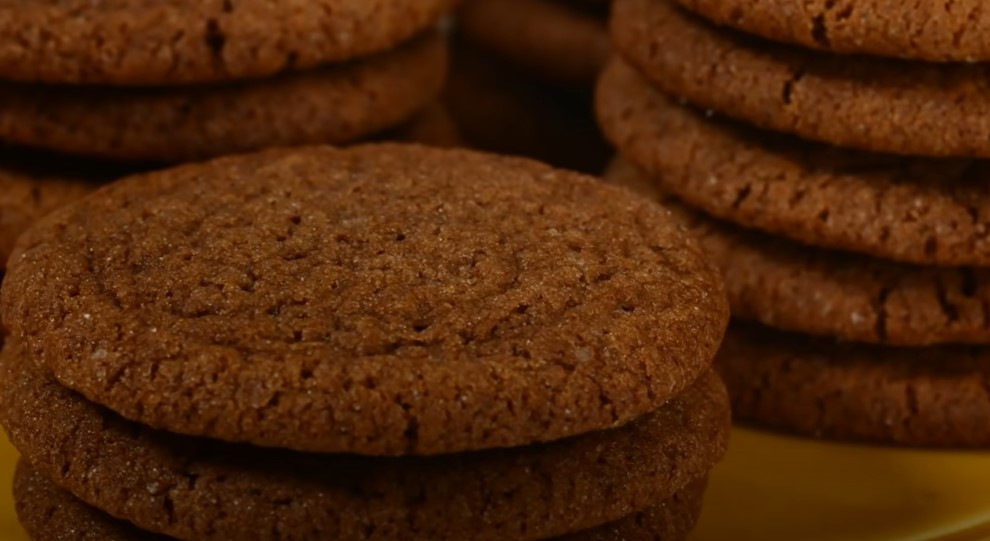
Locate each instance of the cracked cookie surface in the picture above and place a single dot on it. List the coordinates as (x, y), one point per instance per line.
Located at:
(332, 105)
(820, 292)
(193, 488)
(931, 30)
(916, 210)
(875, 104)
(384, 299)
(170, 42)
(932, 397)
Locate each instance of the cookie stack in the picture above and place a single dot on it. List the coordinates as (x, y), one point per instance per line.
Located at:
(383, 342)
(182, 80)
(843, 197)
(521, 77)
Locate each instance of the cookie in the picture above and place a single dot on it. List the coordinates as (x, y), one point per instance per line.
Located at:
(880, 105)
(932, 397)
(936, 31)
(553, 41)
(925, 211)
(200, 489)
(499, 108)
(193, 41)
(49, 513)
(383, 299)
(332, 105)
(24, 198)
(820, 292)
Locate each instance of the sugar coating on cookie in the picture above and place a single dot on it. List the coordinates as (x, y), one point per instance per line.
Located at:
(384, 299)
(332, 105)
(875, 104)
(173, 42)
(932, 397)
(914, 210)
(933, 30)
(790, 286)
(243, 492)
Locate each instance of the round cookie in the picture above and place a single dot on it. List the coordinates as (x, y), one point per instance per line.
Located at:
(933, 397)
(172, 42)
(382, 299)
(881, 105)
(936, 31)
(552, 40)
(202, 489)
(333, 105)
(925, 211)
(500, 109)
(49, 513)
(813, 291)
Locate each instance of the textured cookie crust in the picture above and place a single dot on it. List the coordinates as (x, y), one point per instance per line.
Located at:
(384, 299)
(501, 109)
(169, 42)
(924, 211)
(25, 197)
(932, 30)
(198, 489)
(333, 105)
(935, 397)
(49, 513)
(551, 40)
(788, 286)
(882, 105)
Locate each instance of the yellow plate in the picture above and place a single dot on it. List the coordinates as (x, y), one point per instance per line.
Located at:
(773, 488)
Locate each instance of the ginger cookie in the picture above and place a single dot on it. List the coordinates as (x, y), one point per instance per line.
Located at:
(553, 41)
(880, 105)
(933, 397)
(333, 105)
(49, 513)
(936, 31)
(382, 299)
(171, 42)
(194, 488)
(820, 292)
(916, 210)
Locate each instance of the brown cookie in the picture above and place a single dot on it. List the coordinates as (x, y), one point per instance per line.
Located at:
(881, 105)
(383, 299)
(24, 198)
(333, 105)
(200, 489)
(936, 397)
(172, 42)
(923, 211)
(500, 109)
(49, 513)
(792, 287)
(937, 31)
(553, 41)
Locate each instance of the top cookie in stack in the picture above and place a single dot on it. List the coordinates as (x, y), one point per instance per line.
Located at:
(180, 80)
(868, 172)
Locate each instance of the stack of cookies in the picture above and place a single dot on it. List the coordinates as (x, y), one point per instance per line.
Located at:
(182, 80)
(384, 342)
(843, 197)
(521, 78)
